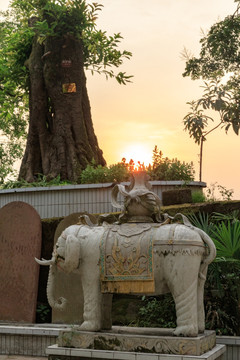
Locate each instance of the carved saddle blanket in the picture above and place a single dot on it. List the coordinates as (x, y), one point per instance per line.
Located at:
(126, 259)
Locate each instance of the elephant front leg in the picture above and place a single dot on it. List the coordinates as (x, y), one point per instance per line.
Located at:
(92, 314)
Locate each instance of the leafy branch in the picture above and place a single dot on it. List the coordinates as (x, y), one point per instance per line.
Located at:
(217, 97)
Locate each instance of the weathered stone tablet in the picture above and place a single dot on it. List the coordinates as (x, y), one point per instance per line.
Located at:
(20, 243)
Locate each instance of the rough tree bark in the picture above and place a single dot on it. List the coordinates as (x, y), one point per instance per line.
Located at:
(61, 139)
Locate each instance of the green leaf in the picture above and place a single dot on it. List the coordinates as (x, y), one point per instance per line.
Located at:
(235, 126)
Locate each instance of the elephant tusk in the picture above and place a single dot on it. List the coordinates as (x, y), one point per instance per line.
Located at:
(45, 262)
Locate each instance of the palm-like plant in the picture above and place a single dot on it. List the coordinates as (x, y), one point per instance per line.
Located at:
(217, 217)
(202, 221)
(227, 240)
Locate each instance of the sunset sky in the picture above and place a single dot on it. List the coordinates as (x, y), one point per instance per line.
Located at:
(130, 120)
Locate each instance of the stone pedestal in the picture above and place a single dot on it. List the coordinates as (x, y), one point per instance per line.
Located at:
(141, 340)
(134, 344)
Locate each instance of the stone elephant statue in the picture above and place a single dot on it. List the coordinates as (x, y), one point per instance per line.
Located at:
(181, 255)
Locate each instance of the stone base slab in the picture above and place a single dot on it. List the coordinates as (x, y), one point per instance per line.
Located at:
(139, 340)
(55, 352)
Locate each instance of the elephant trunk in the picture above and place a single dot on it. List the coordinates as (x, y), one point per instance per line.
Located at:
(60, 303)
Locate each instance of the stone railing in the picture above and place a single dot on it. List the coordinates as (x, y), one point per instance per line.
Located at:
(58, 201)
(233, 346)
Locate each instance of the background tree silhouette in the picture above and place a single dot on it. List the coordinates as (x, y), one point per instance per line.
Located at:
(219, 64)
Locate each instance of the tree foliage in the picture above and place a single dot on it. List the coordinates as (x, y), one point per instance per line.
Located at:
(166, 169)
(48, 19)
(219, 50)
(162, 168)
(218, 65)
(217, 98)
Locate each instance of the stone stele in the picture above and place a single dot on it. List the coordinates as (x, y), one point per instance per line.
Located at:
(144, 340)
(20, 243)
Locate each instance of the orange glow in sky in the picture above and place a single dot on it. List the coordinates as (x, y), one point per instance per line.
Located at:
(138, 153)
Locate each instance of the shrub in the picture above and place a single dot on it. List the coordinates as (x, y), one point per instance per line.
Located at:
(40, 181)
(92, 175)
(161, 169)
(210, 192)
(157, 311)
(222, 295)
(166, 169)
(198, 197)
(102, 174)
(43, 313)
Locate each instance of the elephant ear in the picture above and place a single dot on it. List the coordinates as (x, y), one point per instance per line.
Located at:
(72, 253)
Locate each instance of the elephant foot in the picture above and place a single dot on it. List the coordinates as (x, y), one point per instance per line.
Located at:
(186, 330)
(89, 326)
(201, 329)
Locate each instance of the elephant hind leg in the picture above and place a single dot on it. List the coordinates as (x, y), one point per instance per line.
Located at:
(186, 310)
(200, 300)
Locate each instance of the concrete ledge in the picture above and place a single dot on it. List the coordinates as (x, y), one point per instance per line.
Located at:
(61, 353)
(228, 340)
(30, 330)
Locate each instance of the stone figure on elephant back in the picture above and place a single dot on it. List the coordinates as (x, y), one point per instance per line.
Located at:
(143, 252)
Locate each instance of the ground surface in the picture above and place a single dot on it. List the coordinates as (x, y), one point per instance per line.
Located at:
(20, 357)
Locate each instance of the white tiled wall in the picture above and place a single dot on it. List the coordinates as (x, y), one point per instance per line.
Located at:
(61, 201)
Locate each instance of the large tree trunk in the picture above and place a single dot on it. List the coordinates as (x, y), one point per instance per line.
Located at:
(61, 139)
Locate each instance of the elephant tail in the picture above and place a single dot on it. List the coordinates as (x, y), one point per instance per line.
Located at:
(60, 303)
(212, 252)
(211, 247)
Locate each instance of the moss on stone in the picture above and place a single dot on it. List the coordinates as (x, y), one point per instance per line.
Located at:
(224, 207)
(141, 349)
(102, 343)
